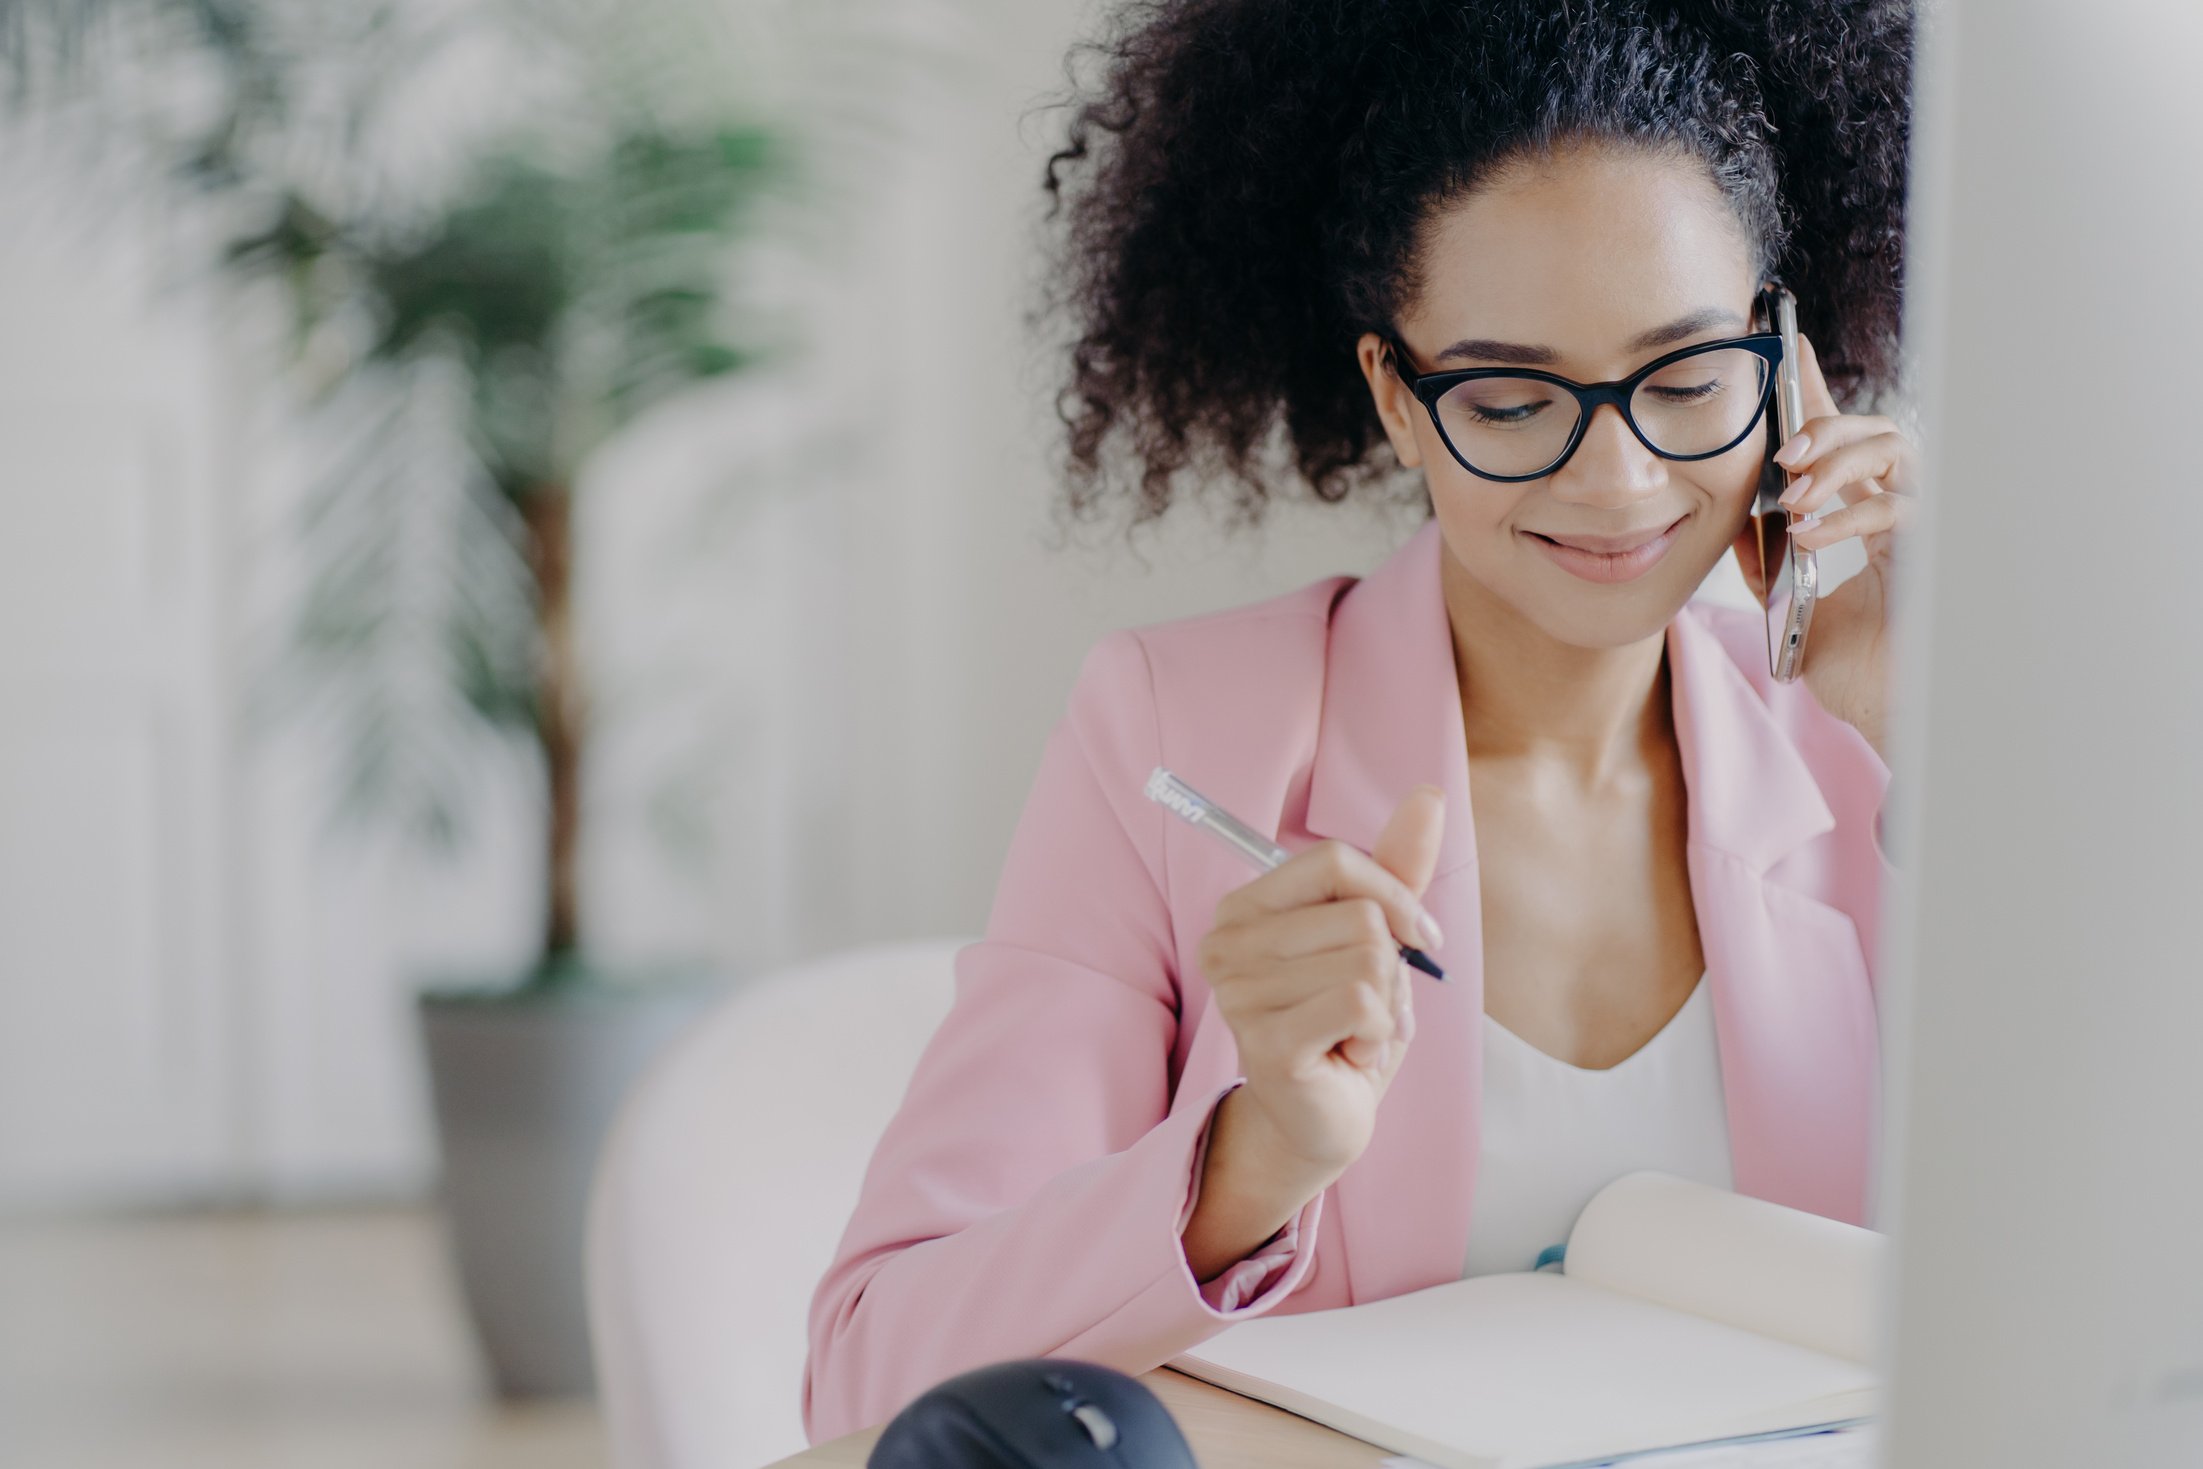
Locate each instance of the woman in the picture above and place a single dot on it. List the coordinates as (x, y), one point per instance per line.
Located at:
(1168, 1097)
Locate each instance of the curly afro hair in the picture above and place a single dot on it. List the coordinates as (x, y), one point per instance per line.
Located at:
(1240, 195)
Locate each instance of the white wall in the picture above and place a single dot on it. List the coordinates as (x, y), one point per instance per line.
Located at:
(843, 631)
(116, 1019)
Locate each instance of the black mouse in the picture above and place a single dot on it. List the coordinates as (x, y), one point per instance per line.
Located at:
(1034, 1413)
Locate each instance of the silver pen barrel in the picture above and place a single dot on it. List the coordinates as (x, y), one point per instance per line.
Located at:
(1189, 804)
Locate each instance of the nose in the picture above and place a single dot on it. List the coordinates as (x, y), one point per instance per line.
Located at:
(1611, 467)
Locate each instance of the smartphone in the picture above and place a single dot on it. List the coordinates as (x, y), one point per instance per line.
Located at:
(1791, 576)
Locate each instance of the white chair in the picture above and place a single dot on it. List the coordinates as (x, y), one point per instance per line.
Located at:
(723, 1188)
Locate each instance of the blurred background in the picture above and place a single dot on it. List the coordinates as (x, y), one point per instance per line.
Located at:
(516, 519)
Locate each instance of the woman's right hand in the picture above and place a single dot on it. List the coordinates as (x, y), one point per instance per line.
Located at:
(1305, 965)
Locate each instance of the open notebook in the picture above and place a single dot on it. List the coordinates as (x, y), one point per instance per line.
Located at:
(1685, 1314)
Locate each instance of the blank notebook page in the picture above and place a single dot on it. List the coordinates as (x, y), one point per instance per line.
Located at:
(1526, 1369)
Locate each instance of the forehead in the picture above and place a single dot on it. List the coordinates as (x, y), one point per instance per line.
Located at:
(1580, 254)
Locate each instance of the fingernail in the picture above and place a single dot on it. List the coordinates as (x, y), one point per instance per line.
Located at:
(1384, 1057)
(1797, 489)
(1428, 927)
(1793, 451)
(1407, 1023)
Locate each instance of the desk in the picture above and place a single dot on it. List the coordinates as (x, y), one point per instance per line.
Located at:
(1227, 1431)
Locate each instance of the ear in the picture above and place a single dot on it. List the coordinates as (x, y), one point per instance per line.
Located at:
(1396, 406)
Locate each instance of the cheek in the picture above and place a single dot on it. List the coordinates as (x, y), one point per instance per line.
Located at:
(1724, 490)
(1477, 514)
(1733, 478)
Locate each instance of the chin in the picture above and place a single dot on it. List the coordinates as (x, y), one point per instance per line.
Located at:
(1599, 618)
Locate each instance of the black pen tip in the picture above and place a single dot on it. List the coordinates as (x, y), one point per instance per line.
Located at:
(1422, 961)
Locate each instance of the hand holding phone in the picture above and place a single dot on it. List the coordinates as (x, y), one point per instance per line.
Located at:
(1863, 471)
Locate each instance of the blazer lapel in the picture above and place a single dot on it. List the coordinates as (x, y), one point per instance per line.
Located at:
(1794, 1011)
(1391, 720)
(1791, 1006)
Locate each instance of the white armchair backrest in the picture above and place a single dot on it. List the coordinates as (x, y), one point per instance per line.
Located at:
(723, 1189)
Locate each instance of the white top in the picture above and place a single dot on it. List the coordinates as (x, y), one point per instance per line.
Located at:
(1555, 1134)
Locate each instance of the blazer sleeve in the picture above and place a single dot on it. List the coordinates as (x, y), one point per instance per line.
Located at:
(1028, 1195)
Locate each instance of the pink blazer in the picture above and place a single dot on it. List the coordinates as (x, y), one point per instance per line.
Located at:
(1027, 1198)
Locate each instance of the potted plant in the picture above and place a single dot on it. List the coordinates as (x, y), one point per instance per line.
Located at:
(571, 279)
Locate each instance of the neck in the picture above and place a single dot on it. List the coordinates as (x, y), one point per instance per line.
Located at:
(1594, 713)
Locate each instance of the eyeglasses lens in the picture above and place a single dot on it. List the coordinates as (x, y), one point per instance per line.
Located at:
(1519, 425)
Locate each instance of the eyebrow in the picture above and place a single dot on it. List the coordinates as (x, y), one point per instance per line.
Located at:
(1660, 336)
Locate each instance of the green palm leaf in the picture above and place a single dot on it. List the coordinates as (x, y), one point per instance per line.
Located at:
(463, 349)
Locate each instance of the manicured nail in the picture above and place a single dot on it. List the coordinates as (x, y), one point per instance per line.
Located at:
(1793, 451)
(1428, 927)
(1797, 490)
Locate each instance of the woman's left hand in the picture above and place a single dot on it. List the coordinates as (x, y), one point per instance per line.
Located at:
(1874, 469)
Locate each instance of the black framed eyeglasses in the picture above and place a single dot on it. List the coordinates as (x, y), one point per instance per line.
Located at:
(1516, 423)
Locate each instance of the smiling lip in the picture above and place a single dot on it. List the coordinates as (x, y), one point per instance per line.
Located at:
(1610, 545)
(1598, 566)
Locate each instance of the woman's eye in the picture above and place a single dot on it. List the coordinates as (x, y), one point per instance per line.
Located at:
(1500, 403)
(1698, 394)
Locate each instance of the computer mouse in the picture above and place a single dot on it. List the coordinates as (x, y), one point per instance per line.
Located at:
(1034, 1413)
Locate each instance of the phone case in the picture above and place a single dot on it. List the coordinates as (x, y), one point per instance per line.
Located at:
(1790, 575)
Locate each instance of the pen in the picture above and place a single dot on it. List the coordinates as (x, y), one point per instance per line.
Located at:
(1169, 791)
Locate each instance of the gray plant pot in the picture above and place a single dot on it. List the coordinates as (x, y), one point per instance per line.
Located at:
(525, 1085)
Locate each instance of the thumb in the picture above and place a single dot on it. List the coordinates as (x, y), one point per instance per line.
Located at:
(1819, 401)
(1408, 846)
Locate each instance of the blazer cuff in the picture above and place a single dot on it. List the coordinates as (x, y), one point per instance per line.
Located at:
(1258, 1280)
(1174, 1312)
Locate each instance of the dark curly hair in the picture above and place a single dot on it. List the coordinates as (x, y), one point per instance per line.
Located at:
(1240, 196)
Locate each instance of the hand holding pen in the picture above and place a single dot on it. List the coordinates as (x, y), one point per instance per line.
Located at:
(1198, 810)
(1310, 966)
